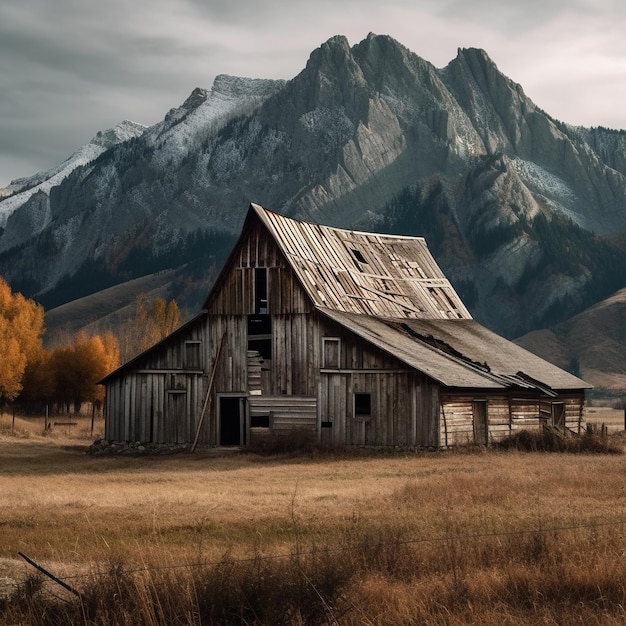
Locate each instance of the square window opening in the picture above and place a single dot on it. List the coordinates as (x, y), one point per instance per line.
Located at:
(362, 404)
(260, 421)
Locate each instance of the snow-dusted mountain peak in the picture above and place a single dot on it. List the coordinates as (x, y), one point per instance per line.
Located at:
(205, 112)
(22, 189)
(122, 132)
(236, 86)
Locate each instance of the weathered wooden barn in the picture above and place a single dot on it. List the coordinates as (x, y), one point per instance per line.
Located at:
(356, 338)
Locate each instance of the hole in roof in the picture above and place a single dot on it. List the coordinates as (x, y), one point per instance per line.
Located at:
(358, 256)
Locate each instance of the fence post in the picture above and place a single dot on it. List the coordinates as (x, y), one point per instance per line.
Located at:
(49, 575)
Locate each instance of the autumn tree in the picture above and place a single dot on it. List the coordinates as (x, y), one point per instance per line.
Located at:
(151, 323)
(39, 380)
(21, 329)
(79, 366)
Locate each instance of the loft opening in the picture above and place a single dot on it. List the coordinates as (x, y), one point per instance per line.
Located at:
(260, 290)
(260, 335)
(331, 351)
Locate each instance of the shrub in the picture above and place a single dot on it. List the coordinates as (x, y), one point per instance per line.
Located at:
(551, 440)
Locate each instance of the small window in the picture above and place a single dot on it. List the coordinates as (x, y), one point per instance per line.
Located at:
(192, 355)
(332, 351)
(260, 421)
(362, 405)
(260, 290)
(177, 382)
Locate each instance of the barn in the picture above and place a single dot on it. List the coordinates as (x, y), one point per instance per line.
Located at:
(352, 338)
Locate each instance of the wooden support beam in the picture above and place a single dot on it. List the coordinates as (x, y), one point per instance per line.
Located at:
(208, 392)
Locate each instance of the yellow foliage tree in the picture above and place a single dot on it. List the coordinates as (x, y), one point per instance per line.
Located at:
(38, 379)
(79, 366)
(150, 324)
(21, 328)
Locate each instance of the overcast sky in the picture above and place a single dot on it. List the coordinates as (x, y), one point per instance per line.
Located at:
(69, 68)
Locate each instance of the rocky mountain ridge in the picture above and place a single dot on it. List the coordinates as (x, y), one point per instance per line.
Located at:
(521, 210)
(19, 191)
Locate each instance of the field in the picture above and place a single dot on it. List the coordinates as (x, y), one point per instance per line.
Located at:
(471, 537)
(613, 419)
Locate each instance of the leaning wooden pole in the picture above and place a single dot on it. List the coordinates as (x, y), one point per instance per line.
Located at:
(58, 581)
(208, 393)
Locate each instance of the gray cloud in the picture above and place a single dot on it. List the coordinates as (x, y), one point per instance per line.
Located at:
(70, 68)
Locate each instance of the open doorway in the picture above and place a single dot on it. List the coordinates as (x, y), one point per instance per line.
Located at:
(232, 420)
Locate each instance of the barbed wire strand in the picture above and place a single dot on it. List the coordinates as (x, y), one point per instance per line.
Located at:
(355, 546)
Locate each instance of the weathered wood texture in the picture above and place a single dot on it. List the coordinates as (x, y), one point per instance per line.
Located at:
(284, 414)
(505, 414)
(235, 291)
(160, 399)
(366, 273)
(357, 338)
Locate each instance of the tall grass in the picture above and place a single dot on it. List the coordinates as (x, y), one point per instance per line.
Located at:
(378, 577)
(487, 537)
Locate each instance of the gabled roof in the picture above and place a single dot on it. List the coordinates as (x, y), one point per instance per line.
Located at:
(389, 290)
(459, 353)
(368, 273)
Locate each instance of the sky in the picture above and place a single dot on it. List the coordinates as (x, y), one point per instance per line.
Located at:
(69, 68)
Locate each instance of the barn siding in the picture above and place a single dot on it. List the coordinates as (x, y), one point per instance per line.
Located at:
(506, 413)
(404, 403)
(235, 295)
(160, 398)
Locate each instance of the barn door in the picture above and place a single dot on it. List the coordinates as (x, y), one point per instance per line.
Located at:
(176, 423)
(232, 420)
(334, 408)
(479, 412)
(558, 415)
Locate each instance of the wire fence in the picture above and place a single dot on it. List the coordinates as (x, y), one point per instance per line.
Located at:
(356, 546)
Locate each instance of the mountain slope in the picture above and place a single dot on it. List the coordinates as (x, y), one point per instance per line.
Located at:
(522, 209)
(22, 189)
(592, 344)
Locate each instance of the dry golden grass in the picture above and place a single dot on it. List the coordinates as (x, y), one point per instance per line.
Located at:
(444, 538)
(612, 418)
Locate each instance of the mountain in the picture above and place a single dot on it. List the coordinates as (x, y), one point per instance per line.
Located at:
(526, 214)
(592, 344)
(23, 189)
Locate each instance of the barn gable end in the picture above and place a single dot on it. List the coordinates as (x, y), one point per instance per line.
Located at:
(354, 338)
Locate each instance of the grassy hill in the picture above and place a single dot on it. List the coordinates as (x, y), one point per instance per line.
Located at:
(107, 309)
(592, 344)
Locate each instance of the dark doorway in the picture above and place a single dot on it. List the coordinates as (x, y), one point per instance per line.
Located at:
(232, 421)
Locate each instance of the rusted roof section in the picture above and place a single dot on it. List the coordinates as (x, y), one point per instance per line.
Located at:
(459, 353)
(366, 273)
